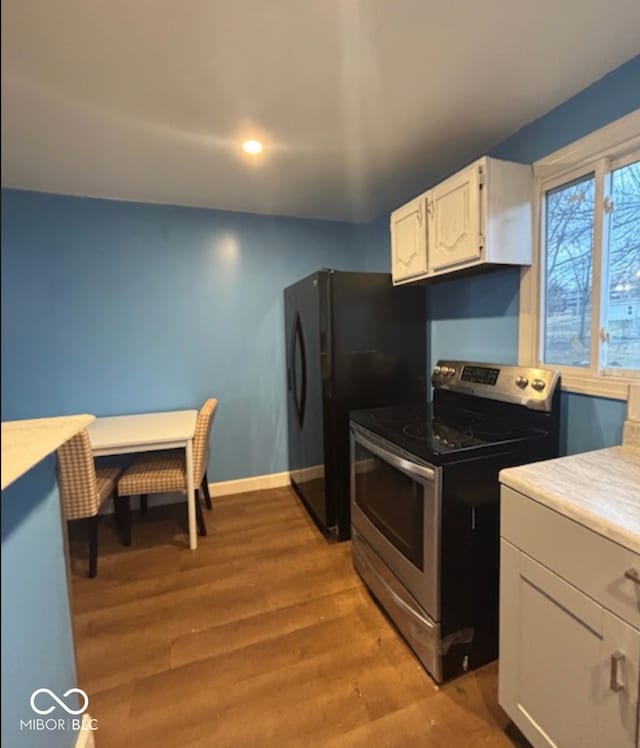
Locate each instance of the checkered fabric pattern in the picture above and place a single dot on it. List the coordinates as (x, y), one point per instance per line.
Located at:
(201, 439)
(164, 472)
(83, 487)
(155, 472)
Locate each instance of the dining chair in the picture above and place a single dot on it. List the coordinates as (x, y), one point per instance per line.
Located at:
(165, 472)
(85, 487)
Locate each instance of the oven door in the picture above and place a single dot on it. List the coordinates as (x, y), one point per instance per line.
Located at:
(395, 506)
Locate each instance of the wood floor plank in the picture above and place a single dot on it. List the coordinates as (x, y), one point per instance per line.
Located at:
(236, 634)
(274, 575)
(264, 636)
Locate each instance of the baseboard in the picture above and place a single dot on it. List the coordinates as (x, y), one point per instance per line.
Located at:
(229, 487)
(262, 482)
(255, 483)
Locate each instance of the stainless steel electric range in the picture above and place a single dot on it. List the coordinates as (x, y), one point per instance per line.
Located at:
(424, 502)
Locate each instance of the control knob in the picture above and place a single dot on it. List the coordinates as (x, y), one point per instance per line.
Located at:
(522, 382)
(437, 370)
(538, 384)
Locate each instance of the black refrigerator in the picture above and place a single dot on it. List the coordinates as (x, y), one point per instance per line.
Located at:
(353, 341)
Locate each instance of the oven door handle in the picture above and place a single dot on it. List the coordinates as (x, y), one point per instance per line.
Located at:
(411, 469)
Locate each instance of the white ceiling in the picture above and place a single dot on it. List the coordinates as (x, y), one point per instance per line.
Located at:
(360, 103)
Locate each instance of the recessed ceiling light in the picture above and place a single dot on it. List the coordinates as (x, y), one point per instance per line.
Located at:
(252, 146)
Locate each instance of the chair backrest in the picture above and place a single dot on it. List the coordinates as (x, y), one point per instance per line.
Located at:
(77, 477)
(201, 439)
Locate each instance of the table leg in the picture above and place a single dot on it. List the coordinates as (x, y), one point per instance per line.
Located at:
(191, 496)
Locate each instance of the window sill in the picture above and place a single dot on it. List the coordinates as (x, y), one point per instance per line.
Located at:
(615, 388)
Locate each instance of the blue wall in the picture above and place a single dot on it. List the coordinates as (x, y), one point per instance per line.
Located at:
(112, 307)
(477, 318)
(374, 243)
(590, 422)
(37, 645)
(606, 100)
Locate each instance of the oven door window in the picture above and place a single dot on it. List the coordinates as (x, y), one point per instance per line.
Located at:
(393, 502)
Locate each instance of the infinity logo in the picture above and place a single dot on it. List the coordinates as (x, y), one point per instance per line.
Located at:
(58, 701)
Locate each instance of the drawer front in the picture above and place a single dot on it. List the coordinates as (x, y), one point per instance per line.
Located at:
(422, 633)
(589, 561)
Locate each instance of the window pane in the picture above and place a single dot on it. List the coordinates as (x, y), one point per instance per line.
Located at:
(568, 263)
(622, 303)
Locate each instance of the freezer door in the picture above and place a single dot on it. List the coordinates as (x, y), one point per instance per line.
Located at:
(379, 358)
(307, 312)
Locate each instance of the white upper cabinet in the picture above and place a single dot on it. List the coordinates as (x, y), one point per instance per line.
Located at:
(454, 221)
(481, 215)
(409, 240)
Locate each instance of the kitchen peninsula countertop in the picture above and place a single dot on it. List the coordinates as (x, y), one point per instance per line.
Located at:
(600, 490)
(26, 443)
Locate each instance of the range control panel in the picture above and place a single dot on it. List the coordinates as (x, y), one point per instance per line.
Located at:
(530, 387)
(480, 374)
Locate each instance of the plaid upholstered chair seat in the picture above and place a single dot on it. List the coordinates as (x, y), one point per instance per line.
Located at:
(165, 472)
(156, 472)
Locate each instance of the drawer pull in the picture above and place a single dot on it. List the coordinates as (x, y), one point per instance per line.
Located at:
(615, 682)
(633, 575)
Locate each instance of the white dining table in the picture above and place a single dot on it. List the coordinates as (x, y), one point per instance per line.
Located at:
(150, 432)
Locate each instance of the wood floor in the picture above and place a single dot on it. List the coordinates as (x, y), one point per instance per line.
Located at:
(264, 636)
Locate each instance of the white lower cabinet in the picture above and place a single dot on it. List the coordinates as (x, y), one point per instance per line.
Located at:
(569, 668)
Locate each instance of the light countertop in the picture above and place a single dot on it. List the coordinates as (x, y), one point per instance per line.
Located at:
(26, 443)
(600, 490)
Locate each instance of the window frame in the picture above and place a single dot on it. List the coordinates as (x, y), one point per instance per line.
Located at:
(604, 150)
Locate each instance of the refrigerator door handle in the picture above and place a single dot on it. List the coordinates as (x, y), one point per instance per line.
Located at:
(299, 398)
(303, 394)
(293, 370)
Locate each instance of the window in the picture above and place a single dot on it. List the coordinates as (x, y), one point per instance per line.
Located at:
(580, 301)
(568, 260)
(622, 285)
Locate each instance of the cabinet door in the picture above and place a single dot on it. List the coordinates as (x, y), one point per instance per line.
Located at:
(618, 697)
(557, 650)
(454, 221)
(409, 240)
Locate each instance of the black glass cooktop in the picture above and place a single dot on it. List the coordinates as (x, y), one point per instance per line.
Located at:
(426, 434)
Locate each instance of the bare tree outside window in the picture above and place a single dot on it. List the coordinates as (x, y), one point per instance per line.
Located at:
(623, 296)
(569, 263)
(569, 237)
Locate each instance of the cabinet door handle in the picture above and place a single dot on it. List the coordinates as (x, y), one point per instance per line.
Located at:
(615, 681)
(633, 575)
